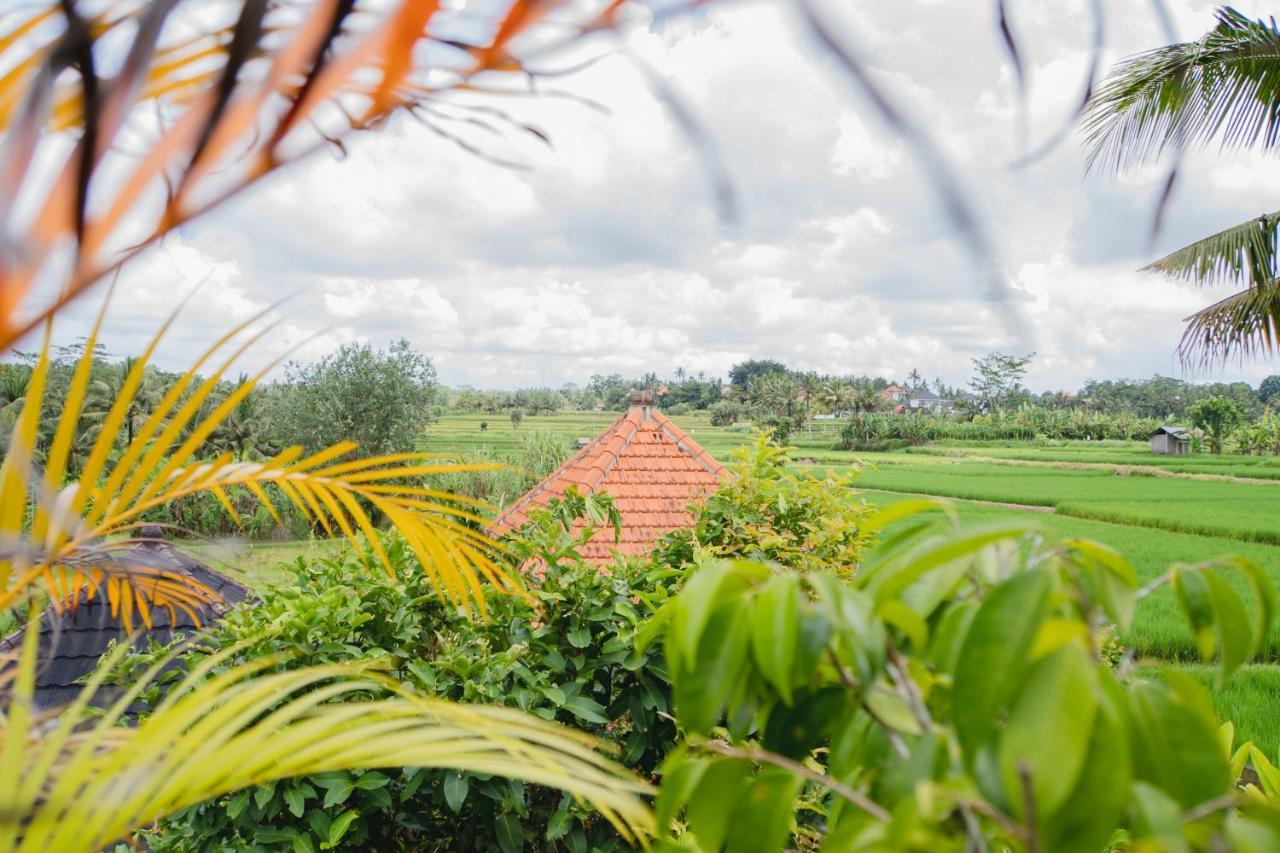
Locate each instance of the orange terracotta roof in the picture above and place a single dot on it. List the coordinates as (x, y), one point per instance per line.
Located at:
(650, 467)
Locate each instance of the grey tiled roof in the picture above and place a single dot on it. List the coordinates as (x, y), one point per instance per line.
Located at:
(71, 642)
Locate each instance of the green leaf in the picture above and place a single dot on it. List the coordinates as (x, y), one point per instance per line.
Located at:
(294, 800)
(586, 708)
(555, 694)
(1174, 733)
(456, 786)
(994, 656)
(713, 801)
(702, 692)
(892, 710)
(238, 804)
(338, 793)
(339, 828)
(1231, 626)
(1049, 728)
(1088, 818)
(774, 629)
(372, 780)
(559, 823)
(580, 637)
(795, 730)
(1193, 595)
(680, 777)
(510, 833)
(763, 812)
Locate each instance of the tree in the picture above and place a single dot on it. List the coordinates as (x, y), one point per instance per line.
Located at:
(1219, 90)
(1217, 416)
(743, 376)
(379, 399)
(997, 381)
(516, 417)
(1269, 388)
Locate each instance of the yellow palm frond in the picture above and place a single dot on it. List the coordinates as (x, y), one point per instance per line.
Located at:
(69, 786)
(65, 539)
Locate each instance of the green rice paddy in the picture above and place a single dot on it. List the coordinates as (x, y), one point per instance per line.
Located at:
(1154, 521)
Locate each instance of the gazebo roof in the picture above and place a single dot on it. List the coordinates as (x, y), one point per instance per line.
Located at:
(650, 467)
(71, 642)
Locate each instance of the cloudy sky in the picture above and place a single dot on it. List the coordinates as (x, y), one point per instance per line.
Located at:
(606, 252)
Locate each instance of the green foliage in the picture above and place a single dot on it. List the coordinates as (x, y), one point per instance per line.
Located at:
(379, 399)
(1269, 388)
(767, 511)
(725, 413)
(956, 693)
(884, 430)
(516, 417)
(566, 656)
(997, 379)
(1217, 416)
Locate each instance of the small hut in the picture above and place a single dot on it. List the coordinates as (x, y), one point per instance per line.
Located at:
(650, 467)
(1171, 441)
(73, 640)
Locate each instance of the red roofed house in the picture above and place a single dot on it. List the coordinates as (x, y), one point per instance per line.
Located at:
(648, 465)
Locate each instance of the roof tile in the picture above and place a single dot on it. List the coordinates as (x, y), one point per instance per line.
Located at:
(651, 468)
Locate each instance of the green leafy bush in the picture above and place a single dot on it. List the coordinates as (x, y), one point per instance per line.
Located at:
(960, 692)
(766, 511)
(565, 655)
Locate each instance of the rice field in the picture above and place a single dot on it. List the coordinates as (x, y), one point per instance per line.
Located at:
(1154, 521)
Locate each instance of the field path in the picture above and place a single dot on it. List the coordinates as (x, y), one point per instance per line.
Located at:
(1119, 468)
(1003, 504)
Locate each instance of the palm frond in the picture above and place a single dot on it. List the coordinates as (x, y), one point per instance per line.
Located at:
(1224, 87)
(1242, 326)
(59, 532)
(226, 96)
(1244, 254)
(68, 785)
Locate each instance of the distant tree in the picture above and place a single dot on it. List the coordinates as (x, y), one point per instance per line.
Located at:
(378, 398)
(725, 413)
(1218, 417)
(915, 381)
(516, 417)
(997, 380)
(1269, 388)
(743, 376)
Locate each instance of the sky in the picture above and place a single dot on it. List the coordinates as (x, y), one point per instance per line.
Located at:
(608, 250)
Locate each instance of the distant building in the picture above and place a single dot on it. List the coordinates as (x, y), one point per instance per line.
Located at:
(893, 394)
(1171, 441)
(650, 467)
(924, 400)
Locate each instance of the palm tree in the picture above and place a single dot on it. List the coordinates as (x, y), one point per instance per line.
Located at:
(1223, 88)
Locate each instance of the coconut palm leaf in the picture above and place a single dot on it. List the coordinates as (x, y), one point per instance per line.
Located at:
(62, 531)
(224, 95)
(1224, 87)
(70, 784)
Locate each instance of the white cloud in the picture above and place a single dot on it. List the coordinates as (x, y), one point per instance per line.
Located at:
(606, 253)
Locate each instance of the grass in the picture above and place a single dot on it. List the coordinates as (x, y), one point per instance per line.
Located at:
(1249, 700)
(1242, 511)
(260, 565)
